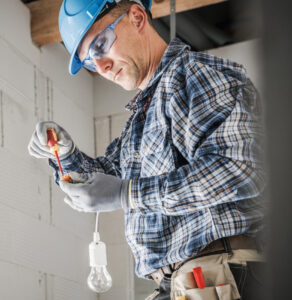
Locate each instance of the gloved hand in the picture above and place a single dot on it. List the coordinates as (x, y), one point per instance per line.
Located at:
(38, 143)
(95, 192)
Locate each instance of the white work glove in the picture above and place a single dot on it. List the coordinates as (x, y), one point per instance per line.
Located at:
(95, 192)
(38, 147)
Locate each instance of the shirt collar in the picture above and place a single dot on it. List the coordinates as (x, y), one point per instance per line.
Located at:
(174, 49)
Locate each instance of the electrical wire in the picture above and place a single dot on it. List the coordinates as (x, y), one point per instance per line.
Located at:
(96, 222)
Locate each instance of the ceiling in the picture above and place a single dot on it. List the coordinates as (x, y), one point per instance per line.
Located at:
(216, 25)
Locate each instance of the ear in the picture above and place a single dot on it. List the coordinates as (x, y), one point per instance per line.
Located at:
(138, 17)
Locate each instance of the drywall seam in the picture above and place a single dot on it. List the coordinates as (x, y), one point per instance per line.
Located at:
(16, 51)
(51, 199)
(36, 107)
(6, 261)
(13, 91)
(94, 137)
(49, 99)
(110, 128)
(45, 279)
(1, 118)
(52, 99)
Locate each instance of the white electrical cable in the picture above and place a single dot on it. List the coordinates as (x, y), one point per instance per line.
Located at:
(96, 222)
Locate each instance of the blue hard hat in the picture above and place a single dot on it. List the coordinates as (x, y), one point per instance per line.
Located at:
(75, 19)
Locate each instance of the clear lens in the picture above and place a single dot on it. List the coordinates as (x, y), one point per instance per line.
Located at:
(102, 43)
(89, 65)
(99, 47)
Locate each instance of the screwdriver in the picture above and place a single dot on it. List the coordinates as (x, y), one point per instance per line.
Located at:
(53, 144)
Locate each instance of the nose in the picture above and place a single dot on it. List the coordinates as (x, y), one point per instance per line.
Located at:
(103, 65)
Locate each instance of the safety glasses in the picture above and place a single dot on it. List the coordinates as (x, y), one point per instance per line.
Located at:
(101, 45)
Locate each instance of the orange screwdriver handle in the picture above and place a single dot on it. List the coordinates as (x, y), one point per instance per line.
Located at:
(52, 140)
(53, 144)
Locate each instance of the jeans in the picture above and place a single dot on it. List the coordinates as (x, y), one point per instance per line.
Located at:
(249, 280)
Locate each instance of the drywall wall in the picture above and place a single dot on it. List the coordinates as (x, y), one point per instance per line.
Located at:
(110, 99)
(43, 242)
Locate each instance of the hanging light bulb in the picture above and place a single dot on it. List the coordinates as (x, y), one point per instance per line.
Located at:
(99, 279)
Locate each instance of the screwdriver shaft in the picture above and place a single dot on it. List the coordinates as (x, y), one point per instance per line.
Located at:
(59, 163)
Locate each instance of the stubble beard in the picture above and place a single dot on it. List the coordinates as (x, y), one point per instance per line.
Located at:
(130, 80)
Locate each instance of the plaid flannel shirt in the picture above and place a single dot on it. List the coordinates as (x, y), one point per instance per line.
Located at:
(191, 149)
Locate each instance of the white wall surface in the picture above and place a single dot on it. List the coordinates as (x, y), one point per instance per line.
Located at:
(248, 54)
(110, 99)
(110, 117)
(43, 243)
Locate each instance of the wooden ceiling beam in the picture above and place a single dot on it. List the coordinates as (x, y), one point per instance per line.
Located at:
(44, 21)
(44, 16)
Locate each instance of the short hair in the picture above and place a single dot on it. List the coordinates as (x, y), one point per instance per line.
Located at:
(123, 6)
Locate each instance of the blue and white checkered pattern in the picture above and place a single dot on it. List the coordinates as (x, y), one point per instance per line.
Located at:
(191, 148)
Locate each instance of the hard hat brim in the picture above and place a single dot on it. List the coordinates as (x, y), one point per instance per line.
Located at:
(75, 64)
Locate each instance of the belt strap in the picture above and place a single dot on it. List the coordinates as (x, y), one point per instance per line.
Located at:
(223, 245)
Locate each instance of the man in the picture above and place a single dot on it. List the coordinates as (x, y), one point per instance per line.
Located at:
(185, 169)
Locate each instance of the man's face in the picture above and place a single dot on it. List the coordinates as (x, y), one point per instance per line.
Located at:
(123, 64)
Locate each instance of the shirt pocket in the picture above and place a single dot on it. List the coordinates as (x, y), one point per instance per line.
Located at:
(130, 163)
(156, 153)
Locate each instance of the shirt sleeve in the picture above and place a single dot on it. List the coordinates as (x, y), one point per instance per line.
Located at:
(215, 125)
(82, 163)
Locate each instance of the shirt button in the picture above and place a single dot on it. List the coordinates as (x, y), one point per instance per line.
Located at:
(122, 160)
(136, 154)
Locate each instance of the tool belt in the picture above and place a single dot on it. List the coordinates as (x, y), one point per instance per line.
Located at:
(224, 245)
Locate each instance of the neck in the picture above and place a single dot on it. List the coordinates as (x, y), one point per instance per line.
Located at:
(154, 52)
